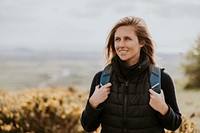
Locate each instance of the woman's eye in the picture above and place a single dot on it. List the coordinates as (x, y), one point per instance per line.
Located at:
(128, 38)
(117, 39)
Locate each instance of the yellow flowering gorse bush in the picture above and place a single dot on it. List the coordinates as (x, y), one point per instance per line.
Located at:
(53, 110)
(50, 110)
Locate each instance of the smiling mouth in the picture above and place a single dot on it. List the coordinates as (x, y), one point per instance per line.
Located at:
(123, 51)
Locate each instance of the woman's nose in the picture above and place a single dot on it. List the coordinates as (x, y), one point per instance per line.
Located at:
(122, 43)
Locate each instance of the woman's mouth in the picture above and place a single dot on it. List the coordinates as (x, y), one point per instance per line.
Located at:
(123, 51)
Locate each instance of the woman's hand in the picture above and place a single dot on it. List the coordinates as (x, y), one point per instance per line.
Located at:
(100, 95)
(157, 102)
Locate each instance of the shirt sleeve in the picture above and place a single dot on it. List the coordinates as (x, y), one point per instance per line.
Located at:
(90, 118)
(172, 119)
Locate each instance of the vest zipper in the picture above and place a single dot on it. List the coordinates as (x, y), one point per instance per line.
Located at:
(125, 107)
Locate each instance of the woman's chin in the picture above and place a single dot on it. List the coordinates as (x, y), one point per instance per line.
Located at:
(123, 58)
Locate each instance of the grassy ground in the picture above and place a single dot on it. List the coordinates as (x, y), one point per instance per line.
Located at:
(189, 105)
(188, 101)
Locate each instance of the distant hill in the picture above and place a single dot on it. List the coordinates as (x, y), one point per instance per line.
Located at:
(22, 68)
(25, 53)
(28, 54)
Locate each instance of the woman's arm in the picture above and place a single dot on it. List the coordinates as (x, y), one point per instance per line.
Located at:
(172, 119)
(90, 118)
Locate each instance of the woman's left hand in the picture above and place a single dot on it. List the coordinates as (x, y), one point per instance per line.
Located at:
(157, 102)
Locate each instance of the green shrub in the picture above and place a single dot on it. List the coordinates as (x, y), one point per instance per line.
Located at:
(192, 65)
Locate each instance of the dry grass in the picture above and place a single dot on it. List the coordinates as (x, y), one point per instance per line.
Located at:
(51, 110)
(189, 105)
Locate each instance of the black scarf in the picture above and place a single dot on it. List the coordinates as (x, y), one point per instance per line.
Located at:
(121, 68)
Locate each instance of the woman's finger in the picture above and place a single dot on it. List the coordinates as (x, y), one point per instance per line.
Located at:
(107, 85)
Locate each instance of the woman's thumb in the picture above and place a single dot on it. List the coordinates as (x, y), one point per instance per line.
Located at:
(97, 87)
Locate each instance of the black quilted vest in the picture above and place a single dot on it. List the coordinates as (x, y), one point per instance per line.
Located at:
(127, 108)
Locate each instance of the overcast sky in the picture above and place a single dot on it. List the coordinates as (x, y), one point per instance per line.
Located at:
(83, 25)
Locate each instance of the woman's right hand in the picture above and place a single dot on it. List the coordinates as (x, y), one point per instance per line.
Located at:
(100, 95)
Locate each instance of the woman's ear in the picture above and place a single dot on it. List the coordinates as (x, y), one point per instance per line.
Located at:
(142, 43)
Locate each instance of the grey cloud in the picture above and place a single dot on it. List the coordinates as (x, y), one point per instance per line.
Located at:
(125, 8)
(18, 11)
(85, 13)
(118, 6)
(154, 2)
(98, 7)
(88, 9)
(179, 10)
(34, 11)
(95, 8)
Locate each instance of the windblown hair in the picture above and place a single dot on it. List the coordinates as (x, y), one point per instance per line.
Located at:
(141, 32)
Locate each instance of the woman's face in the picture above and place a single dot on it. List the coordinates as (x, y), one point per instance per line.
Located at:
(127, 45)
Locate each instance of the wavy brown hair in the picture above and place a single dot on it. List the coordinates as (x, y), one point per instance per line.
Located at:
(141, 32)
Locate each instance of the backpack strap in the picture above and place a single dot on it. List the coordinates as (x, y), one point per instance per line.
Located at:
(155, 78)
(105, 76)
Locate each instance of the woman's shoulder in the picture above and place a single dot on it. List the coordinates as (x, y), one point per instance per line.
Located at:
(98, 74)
(165, 74)
(166, 80)
(96, 78)
(107, 68)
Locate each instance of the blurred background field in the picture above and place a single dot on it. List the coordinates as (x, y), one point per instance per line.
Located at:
(44, 69)
(50, 76)
(22, 68)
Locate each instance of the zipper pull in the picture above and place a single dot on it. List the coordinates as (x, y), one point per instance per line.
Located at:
(126, 83)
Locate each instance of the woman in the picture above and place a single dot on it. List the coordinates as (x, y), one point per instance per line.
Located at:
(127, 104)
